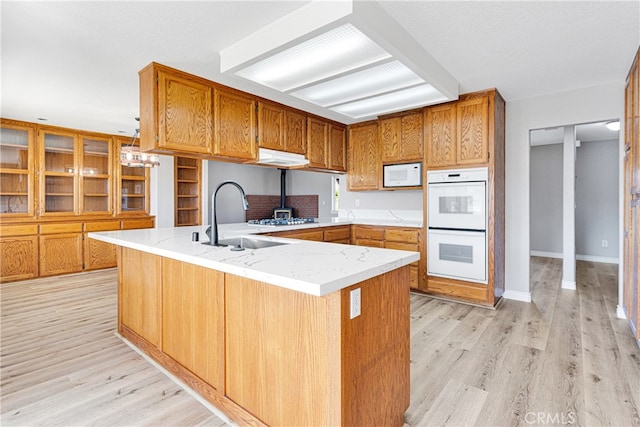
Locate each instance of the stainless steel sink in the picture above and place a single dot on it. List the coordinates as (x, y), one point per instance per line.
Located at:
(240, 243)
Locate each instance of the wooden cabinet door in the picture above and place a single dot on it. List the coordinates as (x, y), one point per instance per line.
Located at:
(270, 126)
(472, 131)
(98, 254)
(235, 125)
(17, 171)
(337, 148)
(140, 294)
(193, 319)
(295, 132)
(317, 135)
(185, 113)
(364, 159)
(19, 256)
(441, 135)
(60, 253)
(412, 136)
(389, 139)
(402, 138)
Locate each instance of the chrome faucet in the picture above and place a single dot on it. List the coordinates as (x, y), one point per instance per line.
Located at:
(212, 230)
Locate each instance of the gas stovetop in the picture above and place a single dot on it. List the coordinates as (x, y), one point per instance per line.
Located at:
(273, 222)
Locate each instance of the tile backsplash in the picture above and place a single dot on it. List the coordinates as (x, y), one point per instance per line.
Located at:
(261, 206)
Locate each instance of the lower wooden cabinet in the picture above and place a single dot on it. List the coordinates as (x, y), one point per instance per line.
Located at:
(19, 252)
(336, 234)
(53, 247)
(193, 333)
(140, 295)
(99, 254)
(405, 239)
(60, 249)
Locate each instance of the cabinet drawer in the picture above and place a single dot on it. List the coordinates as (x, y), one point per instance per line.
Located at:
(102, 226)
(60, 228)
(370, 243)
(315, 235)
(337, 233)
(130, 224)
(18, 230)
(402, 246)
(369, 233)
(401, 235)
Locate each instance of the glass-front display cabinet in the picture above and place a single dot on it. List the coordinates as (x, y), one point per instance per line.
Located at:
(134, 186)
(96, 180)
(16, 171)
(58, 173)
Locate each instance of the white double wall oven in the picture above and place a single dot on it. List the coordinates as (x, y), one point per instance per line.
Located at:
(457, 224)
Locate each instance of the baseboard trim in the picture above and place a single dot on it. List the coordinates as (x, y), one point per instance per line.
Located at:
(517, 295)
(620, 313)
(177, 381)
(579, 257)
(569, 284)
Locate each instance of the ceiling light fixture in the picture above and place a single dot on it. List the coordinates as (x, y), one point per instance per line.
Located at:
(613, 125)
(349, 56)
(131, 156)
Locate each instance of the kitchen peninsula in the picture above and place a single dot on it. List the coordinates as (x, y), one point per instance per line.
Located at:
(271, 335)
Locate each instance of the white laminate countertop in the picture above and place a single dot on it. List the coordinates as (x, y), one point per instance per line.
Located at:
(314, 268)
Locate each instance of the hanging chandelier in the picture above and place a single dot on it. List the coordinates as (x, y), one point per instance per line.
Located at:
(131, 156)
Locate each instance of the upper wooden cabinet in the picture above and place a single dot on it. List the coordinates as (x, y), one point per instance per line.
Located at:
(364, 157)
(17, 169)
(337, 148)
(133, 189)
(317, 137)
(326, 145)
(235, 125)
(76, 173)
(402, 137)
(457, 133)
(281, 129)
(176, 111)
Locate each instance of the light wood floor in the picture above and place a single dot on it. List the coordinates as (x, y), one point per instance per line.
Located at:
(564, 359)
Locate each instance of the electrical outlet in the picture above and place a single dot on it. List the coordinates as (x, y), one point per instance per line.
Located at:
(605, 243)
(355, 303)
(357, 203)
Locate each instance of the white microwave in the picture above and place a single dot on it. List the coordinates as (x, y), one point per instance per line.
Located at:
(402, 175)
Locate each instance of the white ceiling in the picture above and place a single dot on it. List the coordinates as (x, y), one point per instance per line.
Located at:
(586, 132)
(76, 63)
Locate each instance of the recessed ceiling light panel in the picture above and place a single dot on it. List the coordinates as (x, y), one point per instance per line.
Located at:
(362, 84)
(337, 51)
(396, 101)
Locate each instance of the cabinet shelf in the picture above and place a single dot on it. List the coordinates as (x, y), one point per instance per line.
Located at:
(187, 209)
(58, 150)
(133, 195)
(187, 181)
(187, 196)
(59, 195)
(96, 176)
(14, 171)
(62, 174)
(96, 195)
(187, 178)
(7, 193)
(187, 167)
(133, 178)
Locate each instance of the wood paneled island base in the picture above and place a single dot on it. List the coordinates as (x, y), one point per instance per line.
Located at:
(284, 357)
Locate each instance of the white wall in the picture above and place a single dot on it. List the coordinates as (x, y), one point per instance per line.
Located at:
(597, 173)
(591, 104)
(546, 198)
(398, 199)
(162, 192)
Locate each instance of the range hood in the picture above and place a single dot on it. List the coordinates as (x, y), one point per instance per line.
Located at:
(280, 158)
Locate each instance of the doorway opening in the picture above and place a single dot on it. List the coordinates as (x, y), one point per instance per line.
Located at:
(592, 187)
